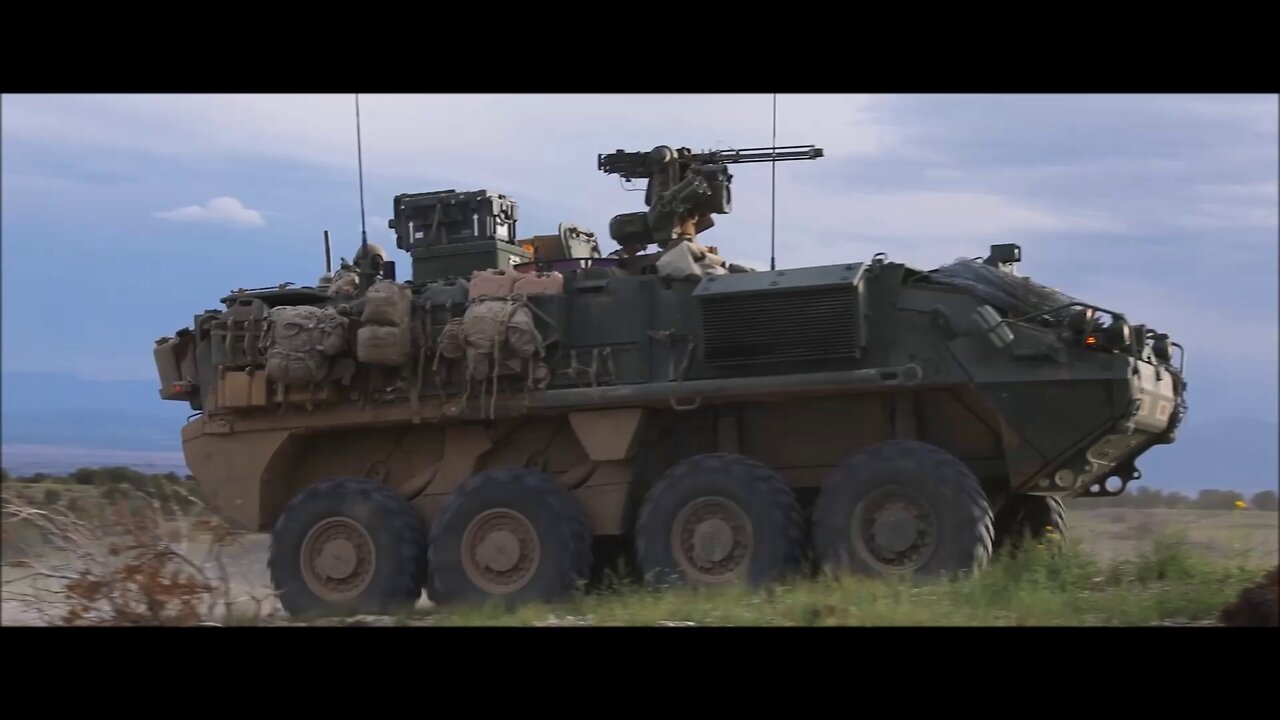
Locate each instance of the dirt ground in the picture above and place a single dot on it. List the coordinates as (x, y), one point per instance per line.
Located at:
(1110, 534)
(1113, 534)
(246, 566)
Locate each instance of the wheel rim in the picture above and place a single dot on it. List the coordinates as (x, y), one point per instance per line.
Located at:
(895, 529)
(338, 559)
(712, 540)
(500, 551)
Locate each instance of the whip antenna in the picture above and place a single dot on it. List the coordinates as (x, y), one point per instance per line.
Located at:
(365, 265)
(364, 238)
(773, 190)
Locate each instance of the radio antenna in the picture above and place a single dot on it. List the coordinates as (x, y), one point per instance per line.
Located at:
(364, 237)
(773, 190)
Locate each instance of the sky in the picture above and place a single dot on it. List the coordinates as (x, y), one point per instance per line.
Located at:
(124, 216)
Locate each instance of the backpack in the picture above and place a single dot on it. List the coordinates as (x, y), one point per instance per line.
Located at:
(301, 339)
(385, 337)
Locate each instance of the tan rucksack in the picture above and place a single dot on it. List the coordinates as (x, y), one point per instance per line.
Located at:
(301, 340)
(385, 336)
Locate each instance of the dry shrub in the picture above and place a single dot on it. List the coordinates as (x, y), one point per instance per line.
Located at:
(1257, 605)
(133, 567)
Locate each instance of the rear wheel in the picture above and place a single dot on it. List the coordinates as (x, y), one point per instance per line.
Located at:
(1029, 517)
(348, 546)
(902, 506)
(719, 518)
(509, 534)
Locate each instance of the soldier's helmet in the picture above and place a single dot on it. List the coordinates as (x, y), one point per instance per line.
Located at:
(375, 250)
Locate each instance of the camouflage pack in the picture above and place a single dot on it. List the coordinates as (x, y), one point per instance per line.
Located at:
(387, 303)
(301, 340)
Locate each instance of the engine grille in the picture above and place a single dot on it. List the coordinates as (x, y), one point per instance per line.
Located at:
(810, 324)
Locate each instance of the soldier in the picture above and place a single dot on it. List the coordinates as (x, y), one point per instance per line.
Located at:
(347, 280)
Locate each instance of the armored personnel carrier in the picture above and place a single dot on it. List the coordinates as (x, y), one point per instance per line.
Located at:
(523, 410)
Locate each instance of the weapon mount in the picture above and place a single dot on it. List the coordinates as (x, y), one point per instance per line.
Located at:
(685, 189)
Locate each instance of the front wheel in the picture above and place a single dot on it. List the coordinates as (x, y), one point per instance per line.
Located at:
(902, 506)
(1029, 517)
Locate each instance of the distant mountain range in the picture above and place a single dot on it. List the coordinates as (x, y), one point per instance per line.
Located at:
(52, 423)
(56, 423)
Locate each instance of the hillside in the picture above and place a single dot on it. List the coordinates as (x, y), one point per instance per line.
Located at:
(56, 423)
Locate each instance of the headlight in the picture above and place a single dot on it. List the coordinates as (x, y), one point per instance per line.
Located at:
(1081, 321)
(1120, 334)
(1161, 349)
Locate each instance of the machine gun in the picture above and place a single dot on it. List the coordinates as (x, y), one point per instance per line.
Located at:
(685, 188)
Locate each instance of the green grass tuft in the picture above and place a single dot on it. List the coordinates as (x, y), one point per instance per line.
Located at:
(1045, 585)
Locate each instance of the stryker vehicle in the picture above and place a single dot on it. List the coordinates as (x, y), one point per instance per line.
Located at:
(525, 411)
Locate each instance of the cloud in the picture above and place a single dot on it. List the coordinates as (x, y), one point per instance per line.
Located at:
(1238, 205)
(922, 176)
(1191, 318)
(219, 211)
(914, 168)
(1135, 163)
(521, 144)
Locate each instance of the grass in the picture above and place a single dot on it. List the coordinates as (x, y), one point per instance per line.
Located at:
(1116, 533)
(1168, 581)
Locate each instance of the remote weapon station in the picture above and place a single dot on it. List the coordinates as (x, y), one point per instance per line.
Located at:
(525, 410)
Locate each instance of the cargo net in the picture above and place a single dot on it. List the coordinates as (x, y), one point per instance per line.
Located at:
(1013, 295)
(497, 335)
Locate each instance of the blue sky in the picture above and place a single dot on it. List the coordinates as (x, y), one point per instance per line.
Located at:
(124, 216)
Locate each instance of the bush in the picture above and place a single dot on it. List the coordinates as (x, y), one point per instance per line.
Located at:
(1265, 500)
(1145, 498)
(1217, 500)
(1257, 605)
(132, 568)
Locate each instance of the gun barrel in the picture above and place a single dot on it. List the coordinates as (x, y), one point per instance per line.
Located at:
(627, 164)
(765, 154)
(634, 165)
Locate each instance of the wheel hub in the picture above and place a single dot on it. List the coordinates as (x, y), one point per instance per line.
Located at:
(500, 551)
(895, 529)
(338, 559)
(712, 540)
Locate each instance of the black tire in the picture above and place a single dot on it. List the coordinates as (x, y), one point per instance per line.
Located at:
(759, 501)
(526, 505)
(354, 514)
(1029, 517)
(955, 534)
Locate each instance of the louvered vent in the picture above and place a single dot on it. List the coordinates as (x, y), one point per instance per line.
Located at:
(806, 324)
